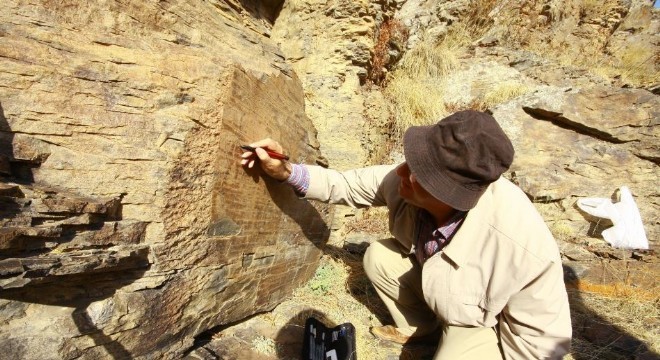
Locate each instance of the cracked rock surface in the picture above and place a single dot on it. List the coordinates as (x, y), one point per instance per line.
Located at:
(127, 225)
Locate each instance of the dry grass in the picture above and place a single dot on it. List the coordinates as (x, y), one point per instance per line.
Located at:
(417, 101)
(637, 64)
(416, 86)
(370, 220)
(415, 89)
(432, 58)
(503, 92)
(597, 8)
(492, 94)
(343, 291)
(622, 314)
(347, 296)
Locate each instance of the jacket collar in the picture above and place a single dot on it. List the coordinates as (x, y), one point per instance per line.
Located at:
(475, 226)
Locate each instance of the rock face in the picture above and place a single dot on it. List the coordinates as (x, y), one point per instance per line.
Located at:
(128, 228)
(574, 143)
(128, 225)
(330, 46)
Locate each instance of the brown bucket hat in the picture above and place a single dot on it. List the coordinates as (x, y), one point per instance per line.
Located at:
(456, 159)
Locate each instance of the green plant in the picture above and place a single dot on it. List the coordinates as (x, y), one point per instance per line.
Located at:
(324, 279)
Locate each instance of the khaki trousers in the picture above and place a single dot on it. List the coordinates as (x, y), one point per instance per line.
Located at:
(398, 281)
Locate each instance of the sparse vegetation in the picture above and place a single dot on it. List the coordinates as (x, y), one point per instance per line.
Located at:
(621, 314)
(347, 296)
(415, 88)
(597, 8)
(633, 63)
(350, 297)
(503, 92)
(638, 65)
(265, 345)
(323, 279)
(416, 85)
(392, 36)
(417, 101)
(370, 220)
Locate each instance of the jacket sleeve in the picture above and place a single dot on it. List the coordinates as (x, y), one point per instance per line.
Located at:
(356, 188)
(536, 323)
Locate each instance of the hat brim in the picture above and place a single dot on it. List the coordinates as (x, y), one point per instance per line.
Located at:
(430, 171)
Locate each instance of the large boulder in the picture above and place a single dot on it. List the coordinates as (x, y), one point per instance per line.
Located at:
(128, 226)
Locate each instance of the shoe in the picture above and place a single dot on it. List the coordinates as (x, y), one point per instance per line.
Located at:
(390, 333)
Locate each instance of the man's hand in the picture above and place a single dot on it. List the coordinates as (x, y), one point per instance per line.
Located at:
(277, 169)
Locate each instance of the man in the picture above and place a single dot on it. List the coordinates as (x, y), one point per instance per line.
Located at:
(471, 255)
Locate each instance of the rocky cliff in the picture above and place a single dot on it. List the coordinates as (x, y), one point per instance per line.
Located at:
(128, 226)
(574, 83)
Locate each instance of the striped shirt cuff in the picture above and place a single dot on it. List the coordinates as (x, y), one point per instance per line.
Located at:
(299, 179)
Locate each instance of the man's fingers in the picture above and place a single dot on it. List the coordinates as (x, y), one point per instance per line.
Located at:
(271, 166)
(262, 154)
(268, 144)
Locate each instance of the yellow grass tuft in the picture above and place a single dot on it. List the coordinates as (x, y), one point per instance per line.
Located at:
(639, 65)
(503, 92)
(431, 58)
(417, 101)
(416, 86)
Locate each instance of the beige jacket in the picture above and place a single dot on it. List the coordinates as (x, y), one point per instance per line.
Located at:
(502, 269)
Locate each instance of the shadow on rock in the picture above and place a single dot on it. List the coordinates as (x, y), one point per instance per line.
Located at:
(6, 143)
(19, 170)
(291, 336)
(8, 209)
(312, 223)
(79, 292)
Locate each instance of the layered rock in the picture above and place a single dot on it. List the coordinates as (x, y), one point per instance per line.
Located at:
(574, 143)
(128, 225)
(330, 46)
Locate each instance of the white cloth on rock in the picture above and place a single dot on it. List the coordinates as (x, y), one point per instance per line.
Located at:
(628, 230)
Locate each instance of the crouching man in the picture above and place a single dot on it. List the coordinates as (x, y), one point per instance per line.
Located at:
(471, 258)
